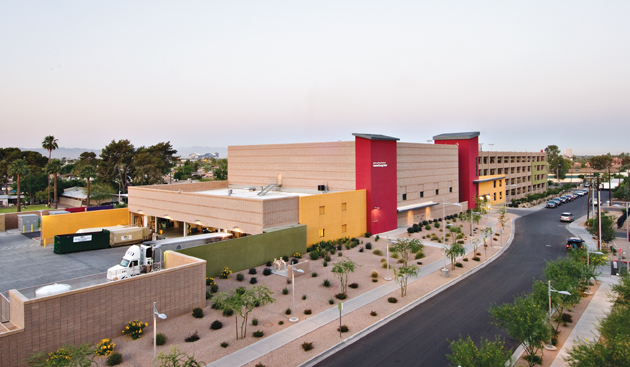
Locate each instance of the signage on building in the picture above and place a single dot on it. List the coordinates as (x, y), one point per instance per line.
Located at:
(379, 164)
(82, 238)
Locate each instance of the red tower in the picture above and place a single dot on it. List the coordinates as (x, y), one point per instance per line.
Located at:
(376, 172)
(468, 152)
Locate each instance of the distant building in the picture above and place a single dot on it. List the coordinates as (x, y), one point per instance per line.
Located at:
(569, 153)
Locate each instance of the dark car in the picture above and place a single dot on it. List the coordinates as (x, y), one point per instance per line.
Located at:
(557, 200)
(551, 204)
(574, 243)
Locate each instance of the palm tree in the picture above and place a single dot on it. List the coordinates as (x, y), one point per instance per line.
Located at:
(50, 144)
(53, 168)
(88, 172)
(19, 168)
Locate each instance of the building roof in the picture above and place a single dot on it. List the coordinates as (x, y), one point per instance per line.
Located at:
(488, 179)
(375, 137)
(415, 206)
(457, 136)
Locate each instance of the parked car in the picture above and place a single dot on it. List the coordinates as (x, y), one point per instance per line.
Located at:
(567, 217)
(574, 243)
(558, 201)
(552, 204)
(563, 199)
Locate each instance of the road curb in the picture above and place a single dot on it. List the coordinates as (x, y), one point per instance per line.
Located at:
(352, 339)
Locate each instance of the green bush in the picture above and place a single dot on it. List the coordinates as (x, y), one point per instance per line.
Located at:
(303, 297)
(419, 255)
(377, 238)
(476, 258)
(216, 325)
(341, 296)
(325, 264)
(377, 252)
(331, 301)
(224, 344)
(367, 235)
(353, 285)
(258, 334)
(392, 300)
(427, 227)
(436, 225)
(267, 271)
(459, 265)
(253, 280)
(285, 290)
(214, 288)
(160, 339)
(287, 311)
(197, 313)
(326, 283)
(314, 274)
(208, 295)
(343, 329)
(373, 313)
(114, 359)
(192, 337)
(307, 346)
(314, 255)
(240, 277)
(308, 311)
(254, 321)
(229, 312)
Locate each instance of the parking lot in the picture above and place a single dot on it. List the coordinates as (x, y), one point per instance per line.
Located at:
(24, 263)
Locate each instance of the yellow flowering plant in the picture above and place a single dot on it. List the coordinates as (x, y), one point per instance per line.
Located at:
(60, 357)
(210, 281)
(225, 273)
(104, 348)
(134, 329)
(297, 255)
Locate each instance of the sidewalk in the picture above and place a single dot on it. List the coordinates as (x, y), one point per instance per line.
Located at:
(277, 340)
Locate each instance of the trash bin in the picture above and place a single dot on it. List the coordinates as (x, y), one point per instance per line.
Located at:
(445, 272)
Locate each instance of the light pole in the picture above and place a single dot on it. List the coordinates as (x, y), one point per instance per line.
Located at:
(387, 256)
(627, 235)
(490, 144)
(155, 315)
(444, 229)
(293, 270)
(550, 345)
(588, 264)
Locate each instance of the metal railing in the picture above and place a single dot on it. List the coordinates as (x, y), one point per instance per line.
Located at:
(5, 307)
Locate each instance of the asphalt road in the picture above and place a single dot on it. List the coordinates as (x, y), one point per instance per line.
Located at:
(24, 263)
(420, 336)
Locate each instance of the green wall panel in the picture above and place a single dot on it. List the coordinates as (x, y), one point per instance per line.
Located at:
(250, 251)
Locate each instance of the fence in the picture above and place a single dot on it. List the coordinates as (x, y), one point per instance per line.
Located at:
(5, 307)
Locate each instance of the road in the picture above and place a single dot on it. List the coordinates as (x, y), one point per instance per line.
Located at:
(420, 336)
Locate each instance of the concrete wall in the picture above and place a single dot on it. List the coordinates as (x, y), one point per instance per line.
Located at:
(2, 223)
(246, 252)
(249, 215)
(11, 219)
(335, 215)
(426, 168)
(53, 225)
(102, 311)
(302, 166)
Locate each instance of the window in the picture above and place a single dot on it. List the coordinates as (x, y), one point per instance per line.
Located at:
(343, 207)
(495, 184)
(500, 182)
(500, 195)
(421, 194)
(450, 189)
(321, 232)
(344, 228)
(404, 197)
(322, 210)
(437, 191)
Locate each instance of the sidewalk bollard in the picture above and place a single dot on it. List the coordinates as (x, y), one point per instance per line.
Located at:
(445, 273)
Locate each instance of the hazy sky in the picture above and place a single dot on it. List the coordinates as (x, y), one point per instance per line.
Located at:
(525, 74)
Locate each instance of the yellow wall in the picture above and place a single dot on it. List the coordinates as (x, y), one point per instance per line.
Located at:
(53, 225)
(334, 217)
(487, 188)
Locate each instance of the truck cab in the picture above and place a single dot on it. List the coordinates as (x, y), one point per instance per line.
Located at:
(137, 260)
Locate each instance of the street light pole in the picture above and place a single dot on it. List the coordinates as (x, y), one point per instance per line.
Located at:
(550, 289)
(293, 270)
(387, 255)
(155, 315)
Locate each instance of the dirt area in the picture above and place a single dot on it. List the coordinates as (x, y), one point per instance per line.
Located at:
(208, 349)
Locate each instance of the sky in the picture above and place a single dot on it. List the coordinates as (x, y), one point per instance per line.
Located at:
(526, 74)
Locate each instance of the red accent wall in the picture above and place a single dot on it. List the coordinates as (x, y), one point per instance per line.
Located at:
(468, 152)
(379, 182)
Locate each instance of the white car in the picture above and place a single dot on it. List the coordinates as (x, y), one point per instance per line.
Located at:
(567, 217)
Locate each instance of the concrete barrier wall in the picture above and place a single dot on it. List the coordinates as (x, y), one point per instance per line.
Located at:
(102, 311)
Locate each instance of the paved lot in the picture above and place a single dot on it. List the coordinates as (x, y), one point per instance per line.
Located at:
(24, 263)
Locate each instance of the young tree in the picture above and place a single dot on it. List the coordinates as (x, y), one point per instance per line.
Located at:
(465, 353)
(402, 274)
(32, 184)
(608, 230)
(243, 302)
(342, 269)
(603, 162)
(487, 233)
(503, 219)
(405, 248)
(558, 301)
(454, 251)
(100, 192)
(18, 169)
(220, 173)
(53, 168)
(50, 144)
(524, 321)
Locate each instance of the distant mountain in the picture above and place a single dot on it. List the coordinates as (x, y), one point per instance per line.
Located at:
(184, 152)
(70, 153)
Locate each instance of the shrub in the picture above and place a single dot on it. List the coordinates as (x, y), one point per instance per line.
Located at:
(224, 344)
(373, 313)
(377, 238)
(229, 312)
(419, 255)
(361, 249)
(192, 337)
(294, 261)
(240, 277)
(400, 261)
(252, 271)
(297, 255)
(134, 329)
(254, 321)
(339, 253)
(419, 263)
(256, 303)
(459, 265)
(267, 271)
(308, 311)
(339, 247)
(367, 235)
(216, 325)
(392, 300)
(287, 311)
(331, 301)
(427, 227)
(303, 297)
(325, 264)
(307, 346)
(269, 263)
(368, 245)
(383, 260)
(210, 281)
(465, 259)
(114, 359)
(285, 258)
(240, 290)
(377, 252)
(208, 295)
(214, 288)
(353, 285)
(374, 280)
(197, 313)
(314, 255)
(374, 274)
(253, 280)
(285, 290)
(476, 258)
(347, 246)
(280, 322)
(327, 258)
(343, 329)
(104, 348)
(436, 225)
(384, 265)
(314, 274)
(341, 296)
(225, 273)
(160, 339)
(258, 334)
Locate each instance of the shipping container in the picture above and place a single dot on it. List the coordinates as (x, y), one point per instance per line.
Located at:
(76, 242)
(123, 235)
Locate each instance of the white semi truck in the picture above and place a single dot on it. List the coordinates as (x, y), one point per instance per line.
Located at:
(138, 259)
